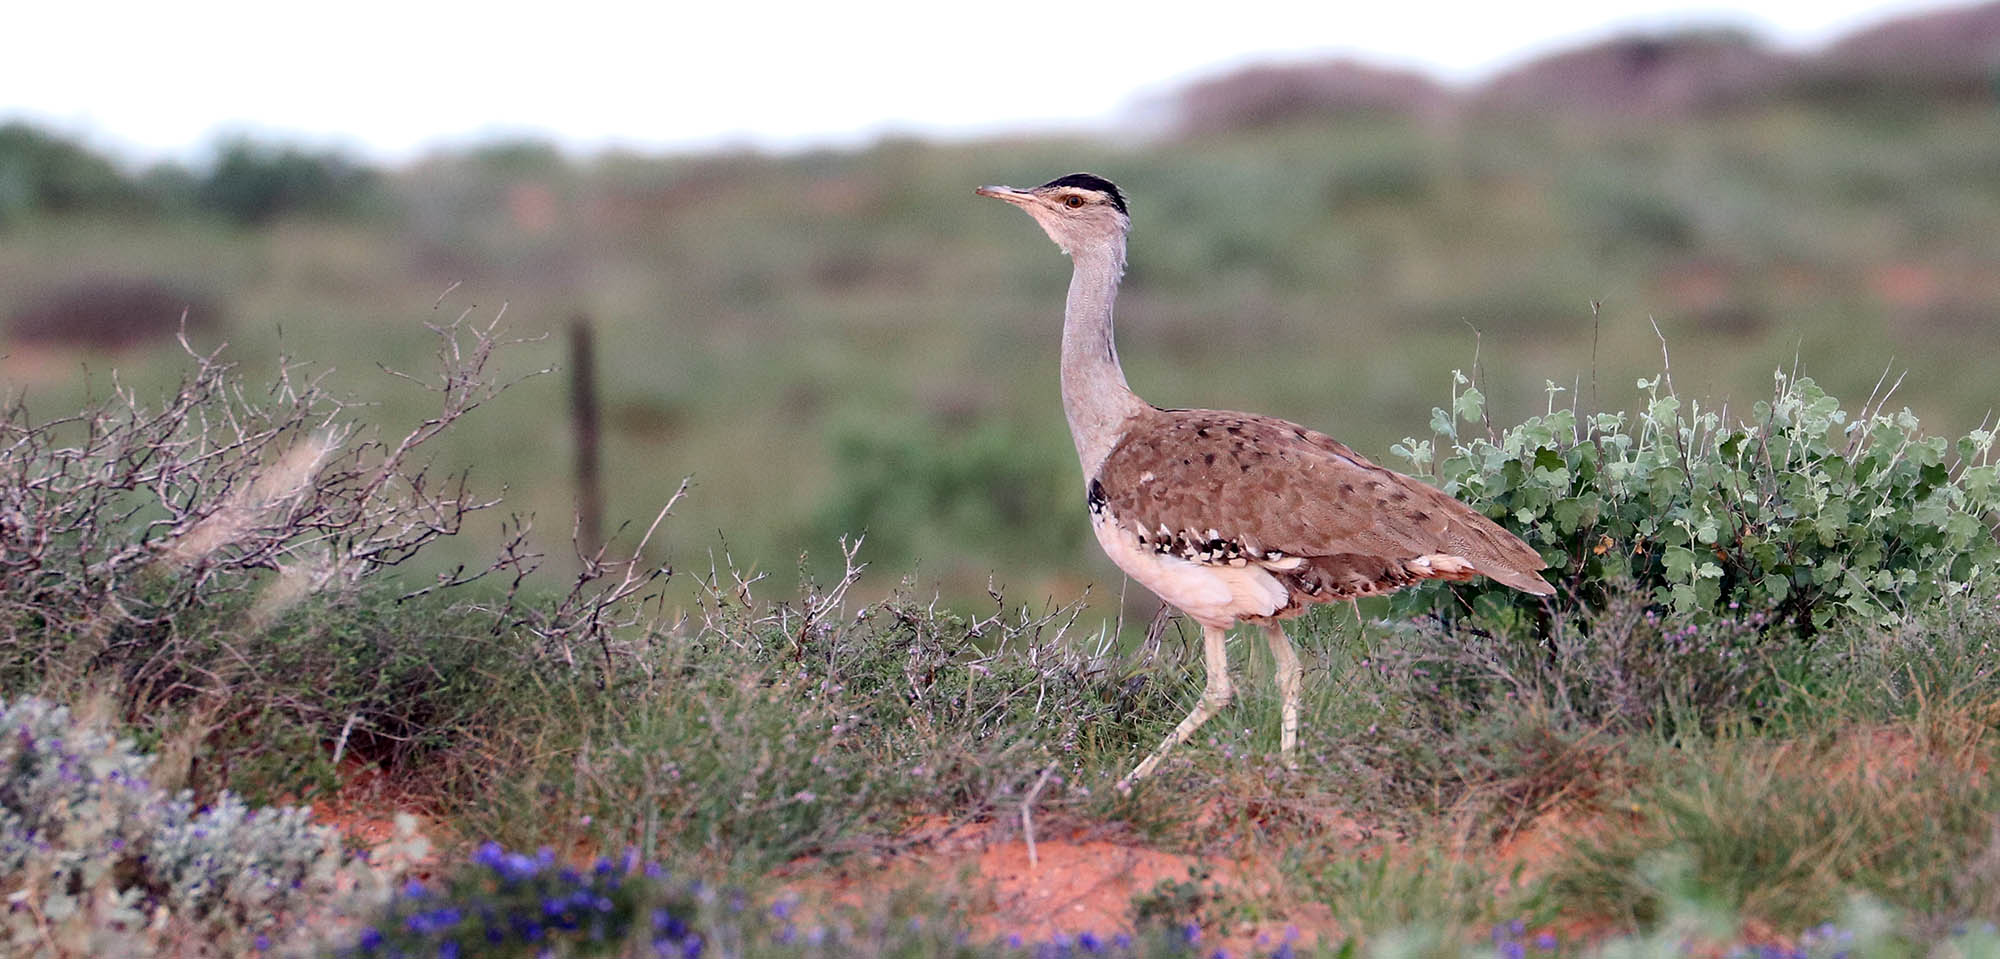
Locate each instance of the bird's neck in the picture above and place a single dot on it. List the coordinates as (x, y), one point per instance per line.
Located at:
(1094, 393)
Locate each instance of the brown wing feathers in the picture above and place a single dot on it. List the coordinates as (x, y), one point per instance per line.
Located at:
(1215, 486)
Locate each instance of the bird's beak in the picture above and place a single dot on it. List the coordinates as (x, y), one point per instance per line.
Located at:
(1008, 193)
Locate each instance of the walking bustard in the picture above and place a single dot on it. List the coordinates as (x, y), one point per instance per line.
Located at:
(1234, 517)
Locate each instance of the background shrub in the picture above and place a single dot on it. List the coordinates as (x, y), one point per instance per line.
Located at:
(254, 183)
(45, 174)
(988, 485)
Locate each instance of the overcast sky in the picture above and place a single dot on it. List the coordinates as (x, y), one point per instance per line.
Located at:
(389, 79)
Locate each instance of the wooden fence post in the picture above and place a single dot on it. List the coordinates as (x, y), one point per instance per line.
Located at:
(583, 425)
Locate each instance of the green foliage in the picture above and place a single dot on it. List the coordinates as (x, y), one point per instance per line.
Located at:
(1623, 666)
(102, 860)
(42, 173)
(254, 183)
(1323, 271)
(756, 732)
(736, 770)
(1632, 210)
(1386, 176)
(410, 685)
(905, 487)
(152, 560)
(1787, 832)
(755, 742)
(926, 668)
(1943, 655)
(1378, 892)
(1805, 511)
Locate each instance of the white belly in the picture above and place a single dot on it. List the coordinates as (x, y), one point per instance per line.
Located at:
(1214, 595)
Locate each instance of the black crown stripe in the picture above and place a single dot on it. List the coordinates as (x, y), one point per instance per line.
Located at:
(1091, 181)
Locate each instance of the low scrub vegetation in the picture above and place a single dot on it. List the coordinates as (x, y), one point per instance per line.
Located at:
(1761, 711)
(1321, 268)
(98, 857)
(44, 173)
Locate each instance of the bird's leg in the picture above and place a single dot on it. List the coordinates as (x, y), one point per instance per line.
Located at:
(1214, 696)
(1288, 673)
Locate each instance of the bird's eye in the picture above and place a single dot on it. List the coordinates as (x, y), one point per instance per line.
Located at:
(1074, 202)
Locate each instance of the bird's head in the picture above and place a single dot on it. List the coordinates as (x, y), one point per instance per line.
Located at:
(1080, 211)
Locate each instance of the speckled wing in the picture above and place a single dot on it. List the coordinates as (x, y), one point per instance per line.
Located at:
(1235, 488)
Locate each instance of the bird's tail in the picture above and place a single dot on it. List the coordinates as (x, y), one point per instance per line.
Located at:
(1525, 580)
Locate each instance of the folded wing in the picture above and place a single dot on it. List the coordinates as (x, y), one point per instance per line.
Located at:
(1234, 488)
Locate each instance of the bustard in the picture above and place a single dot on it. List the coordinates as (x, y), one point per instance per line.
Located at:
(1234, 517)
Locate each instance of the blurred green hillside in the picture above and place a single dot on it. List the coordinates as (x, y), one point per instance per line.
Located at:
(839, 342)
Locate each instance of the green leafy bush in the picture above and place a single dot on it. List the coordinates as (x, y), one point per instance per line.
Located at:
(1805, 511)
